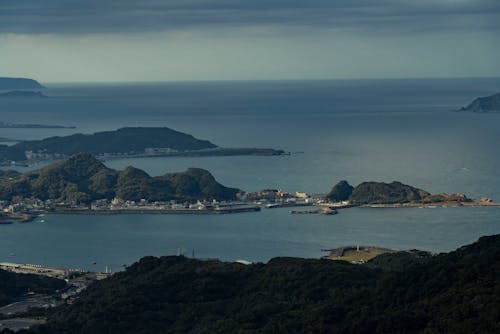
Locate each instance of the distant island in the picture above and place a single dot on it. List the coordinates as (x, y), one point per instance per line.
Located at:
(83, 178)
(19, 83)
(22, 93)
(122, 143)
(484, 104)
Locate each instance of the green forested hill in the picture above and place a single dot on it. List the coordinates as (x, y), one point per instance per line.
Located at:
(340, 192)
(125, 140)
(458, 292)
(377, 193)
(83, 178)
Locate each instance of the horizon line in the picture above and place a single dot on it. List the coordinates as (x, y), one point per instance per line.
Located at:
(85, 82)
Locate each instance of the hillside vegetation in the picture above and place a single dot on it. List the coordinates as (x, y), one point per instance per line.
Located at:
(388, 193)
(83, 178)
(458, 292)
(380, 192)
(125, 140)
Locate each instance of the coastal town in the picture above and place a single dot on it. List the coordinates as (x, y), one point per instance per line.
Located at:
(26, 210)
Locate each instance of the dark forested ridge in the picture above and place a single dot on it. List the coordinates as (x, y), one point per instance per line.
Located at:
(18, 83)
(458, 292)
(388, 193)
(12, 286)
(380, 192)
(340, 192)
(125, 140)
(83, 178)
(130, 141)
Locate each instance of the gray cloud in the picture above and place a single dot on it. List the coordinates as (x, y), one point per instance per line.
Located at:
(117, 16)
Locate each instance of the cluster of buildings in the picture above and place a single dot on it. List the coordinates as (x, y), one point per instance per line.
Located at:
(143, 204)
(34, 205)
(43, 155)
(268, 197)
(281, 196)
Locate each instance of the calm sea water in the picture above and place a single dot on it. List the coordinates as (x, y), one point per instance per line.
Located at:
(357, 130)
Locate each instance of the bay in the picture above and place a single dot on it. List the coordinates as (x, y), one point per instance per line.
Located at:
(358, 130)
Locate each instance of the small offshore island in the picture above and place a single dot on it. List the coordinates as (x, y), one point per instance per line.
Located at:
(84, 185)
(130, 142)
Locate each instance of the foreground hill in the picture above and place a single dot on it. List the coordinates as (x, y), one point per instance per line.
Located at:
(484, 104)
(458, 292)
(18, 83)
(13, 286)
(83, 178)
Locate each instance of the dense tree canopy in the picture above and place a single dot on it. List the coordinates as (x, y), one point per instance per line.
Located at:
(12, 286)
(83, 178)
(457, 292)
(123, 140)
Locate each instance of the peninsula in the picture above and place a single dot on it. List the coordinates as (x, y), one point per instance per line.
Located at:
(83, 178)
(84, 185)
(484, 104)
(19, 83)
(122, 143)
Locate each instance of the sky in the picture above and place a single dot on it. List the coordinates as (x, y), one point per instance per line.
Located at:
(178, 40)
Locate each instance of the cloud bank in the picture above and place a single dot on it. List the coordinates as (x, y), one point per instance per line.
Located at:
(112, 16)
(155, 40)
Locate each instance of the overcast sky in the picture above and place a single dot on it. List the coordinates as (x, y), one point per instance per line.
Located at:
(164, 40)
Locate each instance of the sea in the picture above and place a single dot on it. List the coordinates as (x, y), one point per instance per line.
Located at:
(409, 130)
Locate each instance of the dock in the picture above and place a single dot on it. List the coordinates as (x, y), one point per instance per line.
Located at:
(153, 211)
(287, 205)
(323, 211)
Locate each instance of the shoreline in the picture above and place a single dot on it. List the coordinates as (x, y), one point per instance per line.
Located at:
(321, 208)
(216, 152)
(154, 211)
(432, 205)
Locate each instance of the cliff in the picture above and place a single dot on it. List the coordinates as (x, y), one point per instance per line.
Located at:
(484, 104)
